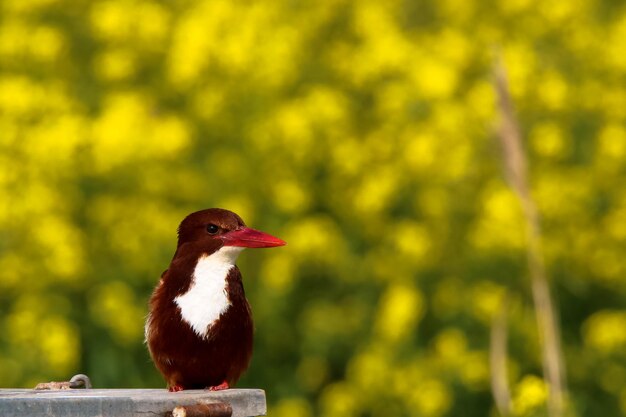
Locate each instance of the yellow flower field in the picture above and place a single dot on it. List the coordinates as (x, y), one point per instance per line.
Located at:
(362, 133)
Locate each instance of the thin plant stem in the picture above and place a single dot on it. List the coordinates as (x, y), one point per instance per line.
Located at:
(497, 360)
(517, 175)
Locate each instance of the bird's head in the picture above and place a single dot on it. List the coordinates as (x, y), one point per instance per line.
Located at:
(216, 228)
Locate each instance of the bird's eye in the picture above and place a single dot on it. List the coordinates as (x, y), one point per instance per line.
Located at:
(212, 229)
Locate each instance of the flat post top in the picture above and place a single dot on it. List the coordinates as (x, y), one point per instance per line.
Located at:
(123, 402)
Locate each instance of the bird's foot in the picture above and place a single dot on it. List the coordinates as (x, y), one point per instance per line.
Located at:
(175, 388)
(224, 385)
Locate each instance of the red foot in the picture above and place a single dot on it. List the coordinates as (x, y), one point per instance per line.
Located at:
(175, 388)
(222, 386)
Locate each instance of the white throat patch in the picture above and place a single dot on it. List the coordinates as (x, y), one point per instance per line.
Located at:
(206, 299)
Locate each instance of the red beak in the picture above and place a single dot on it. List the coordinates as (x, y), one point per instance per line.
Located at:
(250, 238)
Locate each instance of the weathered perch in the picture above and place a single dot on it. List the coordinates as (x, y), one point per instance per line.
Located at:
(131, 403)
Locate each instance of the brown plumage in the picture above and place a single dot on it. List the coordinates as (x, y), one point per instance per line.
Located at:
(199, 330)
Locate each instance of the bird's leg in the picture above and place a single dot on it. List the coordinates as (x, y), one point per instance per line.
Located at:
(222, 386)
(175, 388)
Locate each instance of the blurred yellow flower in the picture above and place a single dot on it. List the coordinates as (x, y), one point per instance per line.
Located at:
(20, 41)
(17, 6)
(614, 48)
(204, 37)
(547, 140)
(487, 299)
(152, 22)
(399, 311)
(136, 229)
(45, 338)
(613, 102)
(451, 344)
(559, 194)
(276, 65)
(481, 99)
(431, 398)
(114, 65)
(339, 400)
(128, 131)
(46, 43)
(60, 345)
(412, 240)
(277, 272)
(111, 19)
(370, 372)
(113, 306)
(605, 331)
(434, 78)
(434, 202)
(457, 10)
(143, 23)
(501, 225)
(553, 90)
(347, 157)
(558, 11)
(191, 40)
(56, 141)
(294, 126)
(376, 190)
(421, 151)
(394, 98)
(606, 262)
(383, 48)
(208, 101)
(529, 394)
(22, 325)
(475, 370)
(291, 197)
(311, 237)
(520, 64)
(291, 407)
(15, 267)
(515, 6)
(243, 205)
(19, 96)
(60, 240)
(612, 143)
(454, 47)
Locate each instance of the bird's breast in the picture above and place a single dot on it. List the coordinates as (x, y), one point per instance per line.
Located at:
(207, 297)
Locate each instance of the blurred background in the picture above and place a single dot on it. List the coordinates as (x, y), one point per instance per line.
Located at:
(362, 133)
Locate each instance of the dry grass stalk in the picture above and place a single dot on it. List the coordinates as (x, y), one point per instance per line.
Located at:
(516, 172)
(497, 360)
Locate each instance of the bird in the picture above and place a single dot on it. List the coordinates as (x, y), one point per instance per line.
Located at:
(199, 329)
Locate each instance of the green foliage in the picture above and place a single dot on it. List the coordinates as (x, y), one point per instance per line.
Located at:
(358, 131)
